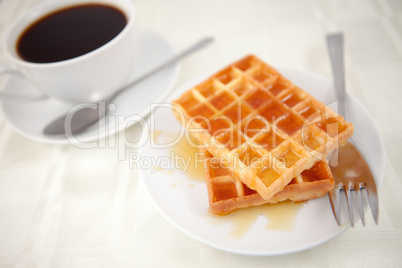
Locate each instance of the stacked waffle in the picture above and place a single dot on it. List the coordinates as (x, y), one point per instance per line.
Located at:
(266, 137)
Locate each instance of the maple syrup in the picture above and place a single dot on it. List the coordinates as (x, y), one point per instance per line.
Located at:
(195, 168)
(192, 159)
(279, 217)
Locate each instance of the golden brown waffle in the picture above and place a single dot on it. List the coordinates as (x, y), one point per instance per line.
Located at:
(226, 193)
(268, 129)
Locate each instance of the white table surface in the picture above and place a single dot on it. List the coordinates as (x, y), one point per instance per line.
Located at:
(63, 206)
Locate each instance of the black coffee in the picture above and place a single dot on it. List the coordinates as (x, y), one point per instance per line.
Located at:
(70, 32)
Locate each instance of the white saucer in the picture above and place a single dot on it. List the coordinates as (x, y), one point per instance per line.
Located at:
(187, 207)
(30, 118)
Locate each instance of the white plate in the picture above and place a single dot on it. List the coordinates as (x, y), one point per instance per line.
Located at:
(187, 207)
(30, 118)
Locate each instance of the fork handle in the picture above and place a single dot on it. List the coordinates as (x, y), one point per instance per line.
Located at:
(335, 48)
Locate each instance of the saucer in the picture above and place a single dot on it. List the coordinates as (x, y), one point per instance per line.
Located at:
(132, 106)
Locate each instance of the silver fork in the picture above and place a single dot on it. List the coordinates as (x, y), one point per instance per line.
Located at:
(351, 172)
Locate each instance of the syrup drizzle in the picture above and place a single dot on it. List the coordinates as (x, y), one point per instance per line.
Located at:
(191, 160)
(278, 217)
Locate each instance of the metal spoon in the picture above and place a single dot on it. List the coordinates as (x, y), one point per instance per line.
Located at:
(85, 115)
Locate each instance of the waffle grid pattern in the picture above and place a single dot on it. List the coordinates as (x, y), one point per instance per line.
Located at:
(226, 193)
(270, 129)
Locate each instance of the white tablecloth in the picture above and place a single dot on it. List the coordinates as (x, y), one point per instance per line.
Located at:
(64, 206)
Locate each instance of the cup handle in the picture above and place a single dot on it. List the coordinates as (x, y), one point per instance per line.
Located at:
(9, 70)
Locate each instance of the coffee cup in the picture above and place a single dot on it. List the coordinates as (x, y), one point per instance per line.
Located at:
(92, 73)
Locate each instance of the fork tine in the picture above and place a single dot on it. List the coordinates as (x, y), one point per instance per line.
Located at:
(360, 205)
(334, 201)
(350, 205)
(372, 197)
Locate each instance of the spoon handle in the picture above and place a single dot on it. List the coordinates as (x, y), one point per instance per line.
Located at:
(335, 48)
(200, 44)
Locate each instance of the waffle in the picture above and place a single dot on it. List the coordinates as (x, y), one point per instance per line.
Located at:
(268, 129)
(227, 193)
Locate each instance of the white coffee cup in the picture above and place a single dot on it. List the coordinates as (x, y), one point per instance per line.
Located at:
(87, 78)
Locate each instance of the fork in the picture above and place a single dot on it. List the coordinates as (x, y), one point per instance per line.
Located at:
(351, 172)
